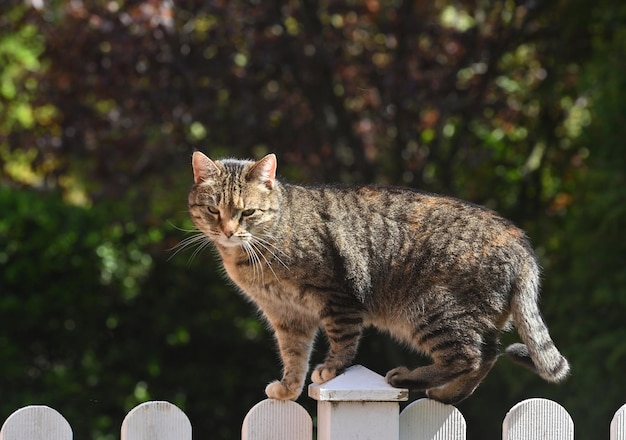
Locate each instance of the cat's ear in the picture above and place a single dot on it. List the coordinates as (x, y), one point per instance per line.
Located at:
(203, 167)
(264, 171)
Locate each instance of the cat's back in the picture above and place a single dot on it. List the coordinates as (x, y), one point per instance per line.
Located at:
(381, 208)
(374, 227)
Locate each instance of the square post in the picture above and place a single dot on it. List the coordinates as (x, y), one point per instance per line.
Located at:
(358, 404)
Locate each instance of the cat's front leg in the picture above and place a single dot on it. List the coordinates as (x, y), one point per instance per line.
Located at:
(295, 341)
(343, 331)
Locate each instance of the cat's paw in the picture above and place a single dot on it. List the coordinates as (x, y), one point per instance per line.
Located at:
(441, 394)
(398, 377)
(276, 390)
(323, 374)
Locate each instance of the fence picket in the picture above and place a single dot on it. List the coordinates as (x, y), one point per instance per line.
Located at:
(156, 420)
(426, 419)
(538, 419)
(618, 424)
(277, 420)
(36, 422)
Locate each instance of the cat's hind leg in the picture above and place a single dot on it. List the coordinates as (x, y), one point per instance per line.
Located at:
(458, 365)
(429, 377)
(463, 386)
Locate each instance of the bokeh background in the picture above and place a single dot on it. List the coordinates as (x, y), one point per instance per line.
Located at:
(516, 105)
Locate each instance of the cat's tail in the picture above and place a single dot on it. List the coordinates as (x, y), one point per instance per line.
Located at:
(538, 351)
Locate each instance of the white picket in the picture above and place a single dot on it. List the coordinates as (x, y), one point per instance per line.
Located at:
(618, 424)
(426, 419)
(36, 422)
(277, 420)
(538, 419)
(156, 420)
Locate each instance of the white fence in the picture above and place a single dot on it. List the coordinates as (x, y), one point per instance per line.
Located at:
(356, 405)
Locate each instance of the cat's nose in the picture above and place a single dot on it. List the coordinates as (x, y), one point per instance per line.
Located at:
(228, 228)
(228, 232)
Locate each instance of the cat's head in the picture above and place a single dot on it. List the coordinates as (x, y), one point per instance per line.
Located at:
(233, 202)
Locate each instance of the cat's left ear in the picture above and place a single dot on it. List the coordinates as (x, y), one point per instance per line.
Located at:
(264, 170)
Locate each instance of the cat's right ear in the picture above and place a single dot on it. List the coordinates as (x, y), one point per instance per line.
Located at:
(203, 167)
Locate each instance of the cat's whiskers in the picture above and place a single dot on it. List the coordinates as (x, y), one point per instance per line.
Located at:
(257, 267)
(258, 247)
(201, 247)
(272, 249)
(182, 229)
(198, 238)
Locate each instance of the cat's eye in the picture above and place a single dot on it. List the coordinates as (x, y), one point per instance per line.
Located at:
(247, 212)
(213, 210)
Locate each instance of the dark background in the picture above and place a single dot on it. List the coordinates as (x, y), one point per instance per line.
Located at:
(517, 105)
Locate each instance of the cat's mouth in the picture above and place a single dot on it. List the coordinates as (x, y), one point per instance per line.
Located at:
(232, 241)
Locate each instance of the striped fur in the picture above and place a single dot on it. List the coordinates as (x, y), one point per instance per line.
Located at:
(442, 275)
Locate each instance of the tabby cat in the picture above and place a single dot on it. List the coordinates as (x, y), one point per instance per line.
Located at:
(441, 275)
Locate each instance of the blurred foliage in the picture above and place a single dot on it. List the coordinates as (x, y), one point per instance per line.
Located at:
(93, 325)
(516, 105)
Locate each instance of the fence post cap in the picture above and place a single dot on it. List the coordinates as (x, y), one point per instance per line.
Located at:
(357, 384)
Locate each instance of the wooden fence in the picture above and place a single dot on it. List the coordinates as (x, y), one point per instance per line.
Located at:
(356, 405)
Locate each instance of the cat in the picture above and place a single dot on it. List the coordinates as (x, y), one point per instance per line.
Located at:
(442, 275)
